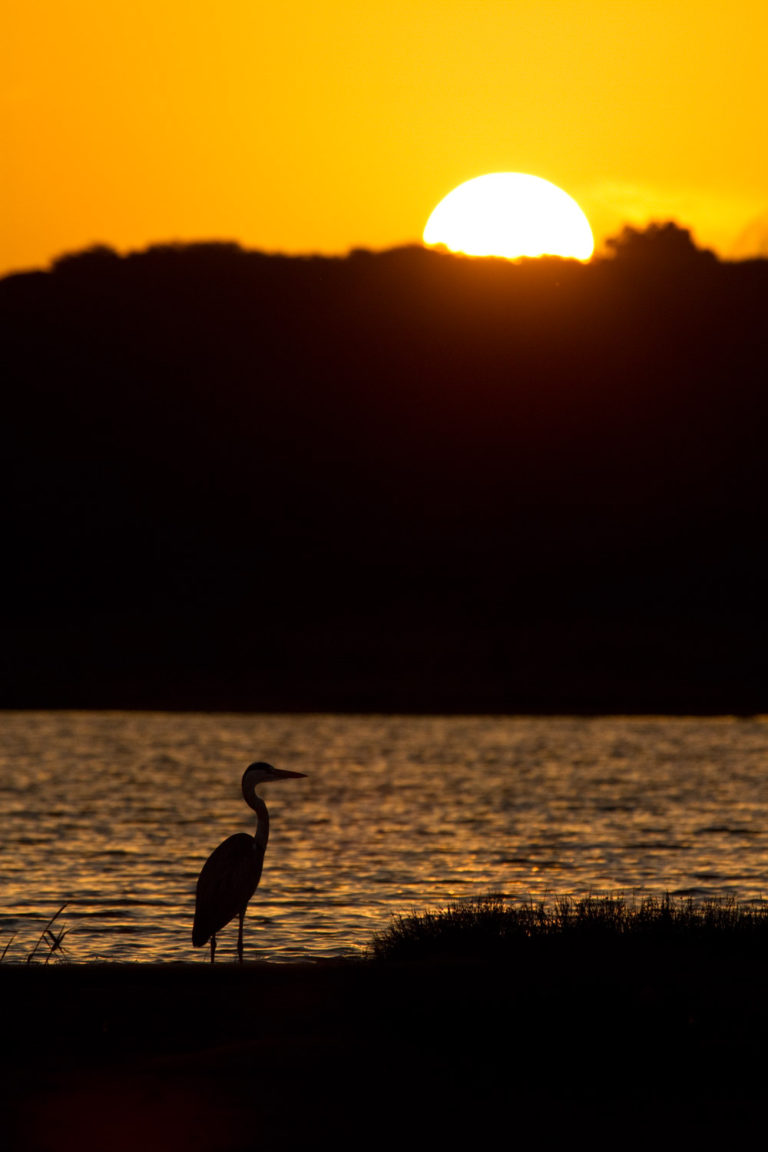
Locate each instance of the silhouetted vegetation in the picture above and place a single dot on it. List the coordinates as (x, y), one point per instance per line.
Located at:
(492, 929)
(49, 944)
(659, 246)
(394, 480)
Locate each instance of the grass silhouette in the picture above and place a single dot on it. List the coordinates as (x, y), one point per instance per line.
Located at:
(489, 927)
(49, 943)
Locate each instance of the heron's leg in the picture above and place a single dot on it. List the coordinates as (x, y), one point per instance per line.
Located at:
(240, 937)
(213, 946)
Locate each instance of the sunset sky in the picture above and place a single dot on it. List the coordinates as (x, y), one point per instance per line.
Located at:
(311, 127)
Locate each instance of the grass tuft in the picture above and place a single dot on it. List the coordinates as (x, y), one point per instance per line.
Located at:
(490, 927)
(2, 954)
(50, 942)
(53, 940)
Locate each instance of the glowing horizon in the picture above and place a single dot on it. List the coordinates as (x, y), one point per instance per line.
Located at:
(325, 130)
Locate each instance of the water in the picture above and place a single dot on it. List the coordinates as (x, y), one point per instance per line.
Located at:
(115, 813)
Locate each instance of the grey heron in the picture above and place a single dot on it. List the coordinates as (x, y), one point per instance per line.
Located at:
(232, 872)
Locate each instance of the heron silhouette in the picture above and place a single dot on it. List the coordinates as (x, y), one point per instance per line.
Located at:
(232, 872)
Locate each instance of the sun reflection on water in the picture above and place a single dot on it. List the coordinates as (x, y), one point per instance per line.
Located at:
(115, 814)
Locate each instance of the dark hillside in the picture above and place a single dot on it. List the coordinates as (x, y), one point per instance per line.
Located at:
(396, 480)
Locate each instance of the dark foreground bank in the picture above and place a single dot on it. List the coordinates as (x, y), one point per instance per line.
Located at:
(617, 1043)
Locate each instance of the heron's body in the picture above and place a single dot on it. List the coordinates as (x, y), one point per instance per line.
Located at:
(231, 874)
(229, 878)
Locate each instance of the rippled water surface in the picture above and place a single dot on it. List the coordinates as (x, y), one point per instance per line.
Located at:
(115, 813)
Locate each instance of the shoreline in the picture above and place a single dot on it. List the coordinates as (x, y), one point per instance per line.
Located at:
(268, 1055)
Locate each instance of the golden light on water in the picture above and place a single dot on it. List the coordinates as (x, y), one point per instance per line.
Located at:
(510, 214)
(396, 814)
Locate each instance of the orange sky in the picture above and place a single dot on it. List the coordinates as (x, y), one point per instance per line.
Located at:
(317, 127)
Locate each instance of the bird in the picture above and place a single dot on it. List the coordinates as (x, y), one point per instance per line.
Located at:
(232, 872)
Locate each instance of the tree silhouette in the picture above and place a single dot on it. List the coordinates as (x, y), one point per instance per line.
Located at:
(399, 479)
(91, 261)
(664, 245)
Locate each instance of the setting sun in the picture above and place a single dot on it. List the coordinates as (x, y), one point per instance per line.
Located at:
(510, 214)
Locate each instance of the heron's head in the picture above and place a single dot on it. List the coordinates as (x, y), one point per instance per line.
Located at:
(261, 773)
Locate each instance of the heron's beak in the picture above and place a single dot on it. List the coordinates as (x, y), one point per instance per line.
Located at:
(283, 773)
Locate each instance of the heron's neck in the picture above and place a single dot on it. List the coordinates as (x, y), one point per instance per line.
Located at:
(262, 816)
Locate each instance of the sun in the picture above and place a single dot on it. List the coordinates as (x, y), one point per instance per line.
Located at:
(510, 214)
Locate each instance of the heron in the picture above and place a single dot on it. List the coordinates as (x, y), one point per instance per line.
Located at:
(232, 872)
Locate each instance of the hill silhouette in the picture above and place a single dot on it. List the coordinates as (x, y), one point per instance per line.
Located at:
(391, 480)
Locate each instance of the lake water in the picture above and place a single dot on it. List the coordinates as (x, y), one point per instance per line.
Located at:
(114, 814)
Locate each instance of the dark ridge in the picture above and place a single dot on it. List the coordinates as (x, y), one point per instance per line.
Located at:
(397, 480)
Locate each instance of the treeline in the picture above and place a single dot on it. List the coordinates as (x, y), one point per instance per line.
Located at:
(393, 480)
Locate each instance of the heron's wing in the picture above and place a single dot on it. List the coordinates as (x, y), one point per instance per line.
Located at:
(225, 885)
